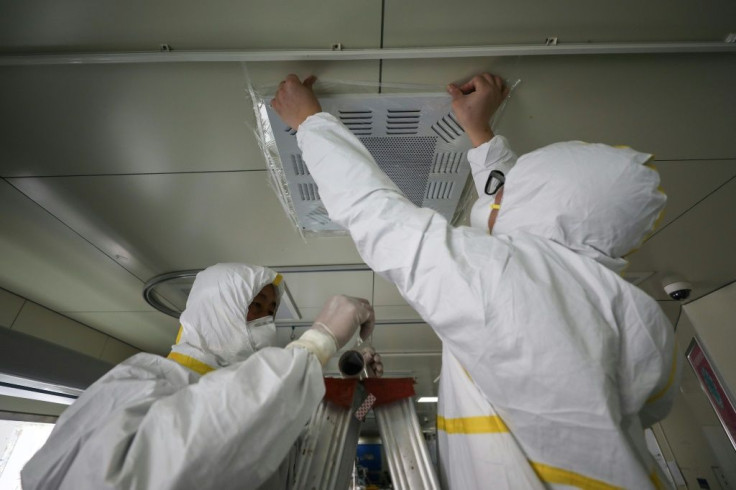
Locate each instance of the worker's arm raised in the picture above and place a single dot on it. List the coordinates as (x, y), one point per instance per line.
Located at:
(413, 247)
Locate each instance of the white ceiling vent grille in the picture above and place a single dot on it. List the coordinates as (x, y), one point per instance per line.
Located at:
(415, 140)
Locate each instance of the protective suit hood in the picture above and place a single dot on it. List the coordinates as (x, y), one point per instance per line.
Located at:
(214, 330)
(594, 199)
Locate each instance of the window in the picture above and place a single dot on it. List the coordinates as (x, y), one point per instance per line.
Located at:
(19, 441)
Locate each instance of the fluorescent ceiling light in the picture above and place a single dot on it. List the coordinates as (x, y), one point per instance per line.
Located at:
(428, 399)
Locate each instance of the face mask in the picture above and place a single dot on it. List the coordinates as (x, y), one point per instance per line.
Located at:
(262, 332)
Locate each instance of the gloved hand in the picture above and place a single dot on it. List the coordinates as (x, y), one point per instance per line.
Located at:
(294, 101)
(373, 363)
(475, 102)
(342, 315)
(335, 325)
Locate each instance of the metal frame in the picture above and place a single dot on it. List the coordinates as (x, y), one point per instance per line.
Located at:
(196, 56)
(288, 269)
(28, 417)
(327, 450)
(18, 387)
(406, 450)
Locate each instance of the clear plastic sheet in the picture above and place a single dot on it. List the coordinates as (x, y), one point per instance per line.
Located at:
(408, 128)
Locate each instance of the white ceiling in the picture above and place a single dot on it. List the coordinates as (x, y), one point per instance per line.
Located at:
(112, 174)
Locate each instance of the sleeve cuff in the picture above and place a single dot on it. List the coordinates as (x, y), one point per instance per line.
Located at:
(491, 153)
(320, 344)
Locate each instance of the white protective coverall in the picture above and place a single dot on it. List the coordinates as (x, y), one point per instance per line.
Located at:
(229, 420)
(552, 363)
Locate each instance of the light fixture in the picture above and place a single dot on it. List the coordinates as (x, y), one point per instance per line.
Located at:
(427, 399)
(168, 293)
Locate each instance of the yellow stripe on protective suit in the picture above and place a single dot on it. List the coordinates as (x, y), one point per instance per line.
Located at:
(278, 280)
(486, 424)
(190, 363)
(493, 424)
(655, 480)
(178, 336)
(550, 474)
(670, 380)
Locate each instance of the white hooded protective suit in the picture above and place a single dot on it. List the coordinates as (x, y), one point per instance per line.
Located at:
(552, 363)
(229, 419)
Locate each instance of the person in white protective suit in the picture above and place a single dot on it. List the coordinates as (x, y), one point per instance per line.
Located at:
(552, 363)
(223, 411)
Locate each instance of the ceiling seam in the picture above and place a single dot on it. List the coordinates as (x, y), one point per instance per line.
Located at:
(73, 230)
(185, 172)
(693, 300)
(104, 346)
(135, 174)
(380, 61)
(80, 323)
(664, 160)
(679, 315)
(657, 232)
(19, 312)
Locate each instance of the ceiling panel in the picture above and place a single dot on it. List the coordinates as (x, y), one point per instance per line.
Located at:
(43, 323)
(687, 182)
(402, 339)
(154, 224)
(43, 260)
(699, 245)
(671, 309)
(116, 351)
(82, 25)
(675, 106)
(10, 306)
(139, 118)
(475, 22)
(148, 331)
(310, 290)
(389, 304)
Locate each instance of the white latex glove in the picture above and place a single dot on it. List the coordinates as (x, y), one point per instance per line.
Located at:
(373, 363)
(335, 325)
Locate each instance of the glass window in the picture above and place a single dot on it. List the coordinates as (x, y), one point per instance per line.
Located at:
(19, 441)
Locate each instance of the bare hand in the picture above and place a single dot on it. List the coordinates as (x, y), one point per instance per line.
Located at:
(475, 102)
(295, 101)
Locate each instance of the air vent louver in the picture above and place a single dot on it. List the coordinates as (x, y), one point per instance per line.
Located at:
(359, 122)
(402, 122)
(309, 192)
(414, 139)
(440, 190)
(300, 168)
(448, 128)
(447, 163)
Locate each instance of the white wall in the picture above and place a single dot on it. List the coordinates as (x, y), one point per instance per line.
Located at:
(714, 319)
(692, 430)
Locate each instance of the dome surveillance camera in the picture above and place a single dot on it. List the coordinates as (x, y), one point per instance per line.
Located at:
(677, 287)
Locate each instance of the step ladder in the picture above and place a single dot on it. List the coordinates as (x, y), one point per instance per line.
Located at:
(329, 445)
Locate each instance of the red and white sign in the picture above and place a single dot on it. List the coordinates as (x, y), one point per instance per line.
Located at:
(713, 389)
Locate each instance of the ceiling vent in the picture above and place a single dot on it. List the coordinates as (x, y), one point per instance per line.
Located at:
(415, 140)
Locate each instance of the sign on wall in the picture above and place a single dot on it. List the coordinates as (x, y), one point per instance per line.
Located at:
(713, 388)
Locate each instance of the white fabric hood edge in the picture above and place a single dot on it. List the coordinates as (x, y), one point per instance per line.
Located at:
(597, 200)
(213, 324)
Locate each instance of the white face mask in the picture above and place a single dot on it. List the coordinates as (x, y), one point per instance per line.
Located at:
(261, 332)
